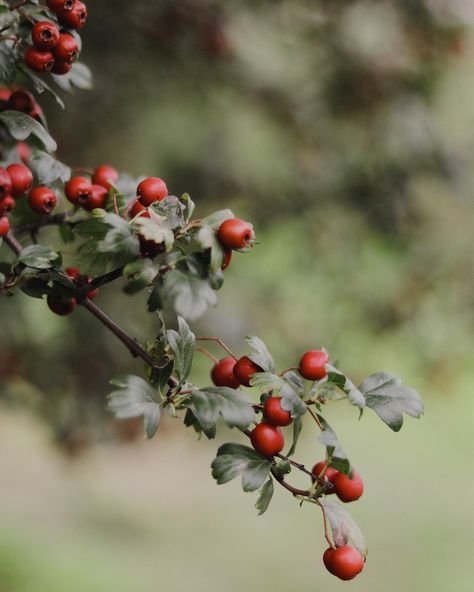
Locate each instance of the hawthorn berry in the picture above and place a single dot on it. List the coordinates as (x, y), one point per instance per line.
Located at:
(227, 259)
(5, 183)
(78, 189)
(137, 208)
(5, 94)
(274, 413)
(329, 473)
(96, 199)
(61, 68)
(61, 306)
(45, 35)
(21, 177)
(150, 190)
(244, 369)
(60, 5)
(7, 205)
(105, 175)
(81, 280)
(222, 373)
(344, 562)
(235, 234)
(312, 363)
(4, 226)
(347, 489)
(267, 439)
(74, 18)
(42, 200)
(67, 48)
(22, 100)
(24, 151)
(40, 61)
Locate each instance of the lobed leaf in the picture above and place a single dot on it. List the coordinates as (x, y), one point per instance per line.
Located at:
(183, 345)
(260, 354)
(265, 497)
(22, 126)
(233, 460)
(335, 454)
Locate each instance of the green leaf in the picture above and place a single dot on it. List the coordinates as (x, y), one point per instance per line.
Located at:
(217, 218)
(190, 420)
(232, 404)
(187, 294)
(233, 460)
(39, 257)
(385, 395)
(171, 209)
(155, 228)
(286, 388)
(335, 454)
(135, 398)
(47, 169)
(265, 497)
(41, 86)
(206, 239)
(80, 77)
(183, 345)
(260, 355)
(190, 206)
(139, 274)
(344, 529)
(336, 377)
(297, 426)
(7, 60)
(21, 126)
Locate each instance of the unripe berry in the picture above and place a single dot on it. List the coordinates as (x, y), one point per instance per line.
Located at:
(348, 490)
(5, 183)
(150, 190)
(4, 225)
(222, 373)
(7, 205)
(235, 234)
(312, 363)
(74, 18)
(60, 5)
(60, 68)
(344, 562)
(42, 200)
(329, 473)
(106, 176)
(274, 413)
(227, 259)
(67, 48)
(137, 208)
(78, 190)
(45, 35)
(267, 439)
(21, 177)
(97, 198)
(40, 61)
(244, 369)
(59, 306)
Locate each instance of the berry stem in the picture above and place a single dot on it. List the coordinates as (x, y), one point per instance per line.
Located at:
(219, 341)
(283, 372)
(14, 245)
(325, 523)
(208, 354)
(315, 417)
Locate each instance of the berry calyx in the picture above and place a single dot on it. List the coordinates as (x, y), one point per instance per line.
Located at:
(222, 373)
(61, 306)
(21, 178)
(60, 5)
(274, 413)
(7, 205)
(40, 61)
(5, 183)
(227, 259)
(267, 439)
(329, 473)
(67, 48)
(344, 562)
(42, 200)
(312, 363)
(78, 190)
(235, 234)
(346, 489)
(45, 35)
(96, 199)
(4, 226)
(150, 190)
(244, 369)
(105, 175)
(75, 18)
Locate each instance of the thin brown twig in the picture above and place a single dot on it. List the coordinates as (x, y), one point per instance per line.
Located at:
(204, 351)
(220, 342)
(325, 523)
(315, 417)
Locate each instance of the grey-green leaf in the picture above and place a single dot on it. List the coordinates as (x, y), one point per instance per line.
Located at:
(265, 497)
(236, 459)
(344, 529)
(187, 294)
(336, 377)
(22, 126)
(260, 354)
(335, 453)
(38, 257)
(183, 344)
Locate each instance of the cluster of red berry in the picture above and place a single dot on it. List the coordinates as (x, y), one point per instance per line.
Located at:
(15, 181)
(19, 99)
(91, 194)
(55, 50)
(64, 306)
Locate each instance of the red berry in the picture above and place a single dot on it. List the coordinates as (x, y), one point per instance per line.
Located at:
(274, 413)
(235, 234)
(222, 373)
(329, 473)
(7, 205)
(151, 189)
(96, 199)
(267, 439)
(61, 68)
(4, 226)
(60, 5)
(227, 259)
(67, 48)
(42, 200)
(5, 94)
(137, 208)
(24, 151)
(78, 190)
(244, 369)
(75, 18)
(5, 183)
(348, 490)
(45, 35)
(344, 562)
(22, 100)
(61, 306)
(105, 175)
(75, 274)
(312, 363)
(22, 178)
(40, 61)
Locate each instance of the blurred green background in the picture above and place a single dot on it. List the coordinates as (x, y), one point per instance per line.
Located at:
(344, 131)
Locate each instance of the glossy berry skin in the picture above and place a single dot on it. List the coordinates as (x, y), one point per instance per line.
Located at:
(311, 365)
(329, 474)
(21, 177)
(227, 259)
(348, 490)
(344, 562)
(45, 35)
(60, 306)
(42, 200)
(274, 413)
(235, 234)
(5, 183)
(97, 198)
(67, 48)
(267, 439)
(137, 208)
(106, 176)
(22, 100)
(40, 61)
(150, 190)
(244, 369)
(4, 226)
(74, 18)
(7, 205)
(61, 68)
(222, 373)
(60, 5)
(78, 190)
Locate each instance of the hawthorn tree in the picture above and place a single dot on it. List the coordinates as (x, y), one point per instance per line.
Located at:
(120, 227)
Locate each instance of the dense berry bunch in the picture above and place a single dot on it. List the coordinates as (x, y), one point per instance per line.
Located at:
(20, 99)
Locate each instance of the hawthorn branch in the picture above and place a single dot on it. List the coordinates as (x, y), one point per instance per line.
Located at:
(293, 490)
(11, 241)
(55, 220)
